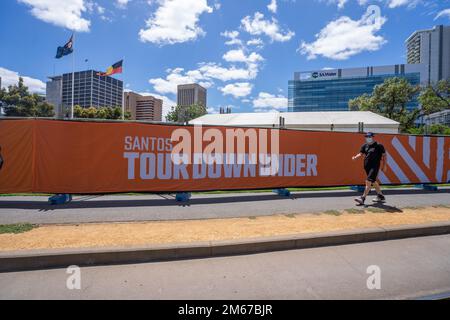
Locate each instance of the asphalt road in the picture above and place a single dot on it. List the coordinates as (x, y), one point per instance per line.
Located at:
(85, 209)
(410, 268)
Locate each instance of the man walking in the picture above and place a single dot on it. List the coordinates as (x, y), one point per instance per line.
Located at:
(374, 159)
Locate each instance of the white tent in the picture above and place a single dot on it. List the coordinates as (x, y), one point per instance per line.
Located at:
(344, 121)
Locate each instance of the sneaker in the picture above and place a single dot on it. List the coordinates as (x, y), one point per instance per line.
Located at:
(360, 200)
(379, 198)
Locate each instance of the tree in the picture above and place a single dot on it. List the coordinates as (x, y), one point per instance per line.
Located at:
(390, 99)
(361, 103)
(111, 113)
(438, 129)
(19, 102)
(435, 98)
(185, 114)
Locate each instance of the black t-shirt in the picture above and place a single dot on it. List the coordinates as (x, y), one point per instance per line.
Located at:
(373, 154)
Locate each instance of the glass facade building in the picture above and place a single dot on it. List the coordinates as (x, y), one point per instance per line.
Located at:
(331, 90)
(91, 90)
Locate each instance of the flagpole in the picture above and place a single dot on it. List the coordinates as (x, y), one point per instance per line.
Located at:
(73, 81)
(123, 104)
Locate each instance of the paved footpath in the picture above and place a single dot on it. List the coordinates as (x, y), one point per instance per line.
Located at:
(85, 209)
(410, 268)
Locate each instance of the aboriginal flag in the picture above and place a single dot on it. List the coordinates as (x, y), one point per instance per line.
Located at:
(115, 68)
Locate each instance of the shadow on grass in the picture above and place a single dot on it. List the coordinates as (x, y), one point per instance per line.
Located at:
(381, 207)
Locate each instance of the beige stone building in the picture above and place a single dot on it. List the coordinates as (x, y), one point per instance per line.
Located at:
(189, 94)
(143, 108)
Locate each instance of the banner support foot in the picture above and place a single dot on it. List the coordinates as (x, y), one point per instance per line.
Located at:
(358, 188)
(183, 196)
(60, 199)
(427, 187)
(282, 192)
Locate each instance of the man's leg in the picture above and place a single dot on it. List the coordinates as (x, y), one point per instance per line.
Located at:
(380, 196)
(362, 199)
(378, 188)
(368, 188)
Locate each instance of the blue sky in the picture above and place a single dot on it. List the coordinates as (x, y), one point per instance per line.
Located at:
(244, 51)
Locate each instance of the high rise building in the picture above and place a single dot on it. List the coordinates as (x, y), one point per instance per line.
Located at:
(90, 90)
(331, 90)
(54, 94)
(432, 48)
(189, 94)
(143, 108)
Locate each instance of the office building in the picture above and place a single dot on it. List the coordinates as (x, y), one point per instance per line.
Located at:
(54, 94)
(442, 117)
(432, 48)
(90, 90)
(189, 94)
(143, 108)
(331, 90)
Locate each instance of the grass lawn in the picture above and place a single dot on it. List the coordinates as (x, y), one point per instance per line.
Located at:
(16, 228)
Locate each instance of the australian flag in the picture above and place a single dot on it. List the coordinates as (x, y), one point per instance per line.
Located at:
(66, 50)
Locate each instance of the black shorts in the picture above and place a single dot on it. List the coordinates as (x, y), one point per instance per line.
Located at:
(372, 173)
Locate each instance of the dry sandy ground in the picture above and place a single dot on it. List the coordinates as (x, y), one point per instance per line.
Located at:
(152, 233)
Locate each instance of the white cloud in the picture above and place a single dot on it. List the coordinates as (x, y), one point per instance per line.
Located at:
(390, 3)
(257, 25)
(216, 71)
(204, 75)
(233, 36)
(237, 90)
(175, 21)
(398, 3)
(177, 77)
(238, 55)
(269, 101)
(345, 37)
(10, 78)
(122, 4)
(212, 110)
(66, 14)
(100, 10)
(257, 42)
(340, 3)
(443, 13)
(273, 6)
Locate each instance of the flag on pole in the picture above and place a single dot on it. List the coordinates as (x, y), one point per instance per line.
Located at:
(66, 50)
(115, 68)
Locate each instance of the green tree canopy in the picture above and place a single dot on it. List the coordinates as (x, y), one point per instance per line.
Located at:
(110, 113)
(390, 99)
(435, 98)
(19, 102)
(185, 114)
(438, 129)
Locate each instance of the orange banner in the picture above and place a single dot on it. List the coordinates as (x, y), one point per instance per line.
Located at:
(76, 157)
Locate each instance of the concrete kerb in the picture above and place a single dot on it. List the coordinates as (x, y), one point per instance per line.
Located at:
(36, 260)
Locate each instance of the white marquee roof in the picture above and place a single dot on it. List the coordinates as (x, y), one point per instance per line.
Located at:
(295, 119)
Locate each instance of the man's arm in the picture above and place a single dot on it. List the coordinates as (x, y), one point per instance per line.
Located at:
(383, 159)
(359, 155)
(384, 162)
